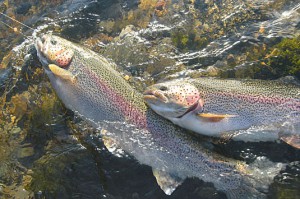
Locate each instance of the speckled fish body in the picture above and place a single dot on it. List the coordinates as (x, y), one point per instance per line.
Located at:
(226, 105)
(92, 88)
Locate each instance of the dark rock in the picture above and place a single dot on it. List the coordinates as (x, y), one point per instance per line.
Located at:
(23, 8)
(289, 80)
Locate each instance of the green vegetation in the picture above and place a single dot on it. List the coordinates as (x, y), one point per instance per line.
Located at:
(188, 40)
(285, 59)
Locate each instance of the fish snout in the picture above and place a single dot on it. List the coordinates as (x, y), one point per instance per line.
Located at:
(41, 43)
(44, 38)
(41, 50)
(153, 96)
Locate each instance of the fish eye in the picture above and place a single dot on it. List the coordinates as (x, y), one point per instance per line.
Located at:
(53, 42)
(163, 88)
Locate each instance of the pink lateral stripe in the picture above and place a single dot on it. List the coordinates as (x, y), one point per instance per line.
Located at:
(127, 109)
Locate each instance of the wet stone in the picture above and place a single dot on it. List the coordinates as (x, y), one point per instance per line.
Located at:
(23, 8)
(3, 7)
(213, 71)
(25, 152)
(15, 131)
(230, 60)
(289, 80)
(149, 55)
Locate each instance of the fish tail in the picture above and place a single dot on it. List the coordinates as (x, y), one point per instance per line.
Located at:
(255, 185)
(263, 171)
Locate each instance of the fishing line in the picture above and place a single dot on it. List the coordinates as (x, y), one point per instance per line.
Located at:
(9, 26)
(35, 31)
(16, 20)
(14, 29)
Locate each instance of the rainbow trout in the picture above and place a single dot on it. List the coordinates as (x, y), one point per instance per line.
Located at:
(243, 109)
(88, 84)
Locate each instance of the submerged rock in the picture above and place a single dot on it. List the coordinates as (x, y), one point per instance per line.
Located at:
(150, 41)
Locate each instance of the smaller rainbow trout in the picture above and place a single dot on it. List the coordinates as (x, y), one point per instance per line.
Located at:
(237, 108)
(88, 84)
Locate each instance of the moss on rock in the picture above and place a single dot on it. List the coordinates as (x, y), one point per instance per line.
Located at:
(285, 59)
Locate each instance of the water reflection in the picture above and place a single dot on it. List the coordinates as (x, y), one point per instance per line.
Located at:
(50, 162)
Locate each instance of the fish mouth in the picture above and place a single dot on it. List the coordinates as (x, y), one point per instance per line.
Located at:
(40, 43)
(152, 95)
(40, 47)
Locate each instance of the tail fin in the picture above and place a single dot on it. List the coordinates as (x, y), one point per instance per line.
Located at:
(263, 172)
(259, 175)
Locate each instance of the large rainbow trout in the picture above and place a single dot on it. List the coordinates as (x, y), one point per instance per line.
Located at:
(248, 110)
(88, 84)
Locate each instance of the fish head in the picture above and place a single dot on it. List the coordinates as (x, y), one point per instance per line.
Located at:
(54, 50)
(83, 80)
(172, 99)
(57, 57)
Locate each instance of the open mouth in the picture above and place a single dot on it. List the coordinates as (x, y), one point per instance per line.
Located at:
(40, 52)
(40, 43)
(150, 95)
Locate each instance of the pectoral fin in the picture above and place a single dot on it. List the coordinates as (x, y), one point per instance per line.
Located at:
(167, 182)
(293, 140)
(211, 117)
(62, 73)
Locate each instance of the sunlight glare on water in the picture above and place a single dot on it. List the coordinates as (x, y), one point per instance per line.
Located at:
(50, 152)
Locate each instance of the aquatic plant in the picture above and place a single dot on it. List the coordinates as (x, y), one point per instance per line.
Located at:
(188, 40)
(284, 57)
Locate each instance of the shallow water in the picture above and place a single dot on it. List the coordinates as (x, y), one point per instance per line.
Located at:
(48, 152)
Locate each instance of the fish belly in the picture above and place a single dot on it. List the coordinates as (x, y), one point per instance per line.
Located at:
(236, 128)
